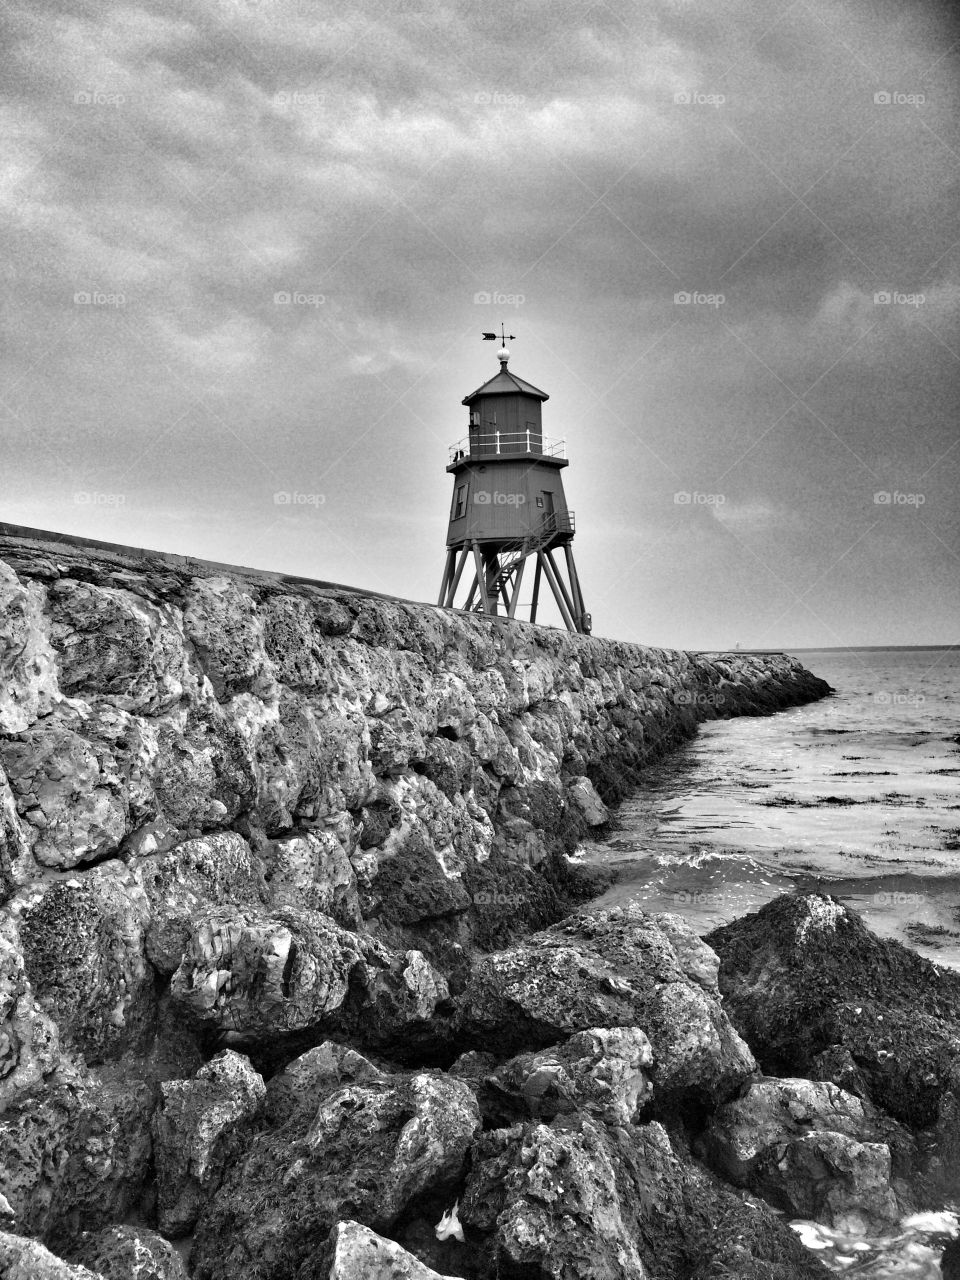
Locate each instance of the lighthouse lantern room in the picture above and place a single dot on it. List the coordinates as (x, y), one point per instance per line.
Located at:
(509, 507)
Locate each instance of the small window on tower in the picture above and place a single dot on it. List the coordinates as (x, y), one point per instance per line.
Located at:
(539, 502)
(474, 417)
(460, 501)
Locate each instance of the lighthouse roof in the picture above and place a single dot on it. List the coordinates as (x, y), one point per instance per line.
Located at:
(505, 383)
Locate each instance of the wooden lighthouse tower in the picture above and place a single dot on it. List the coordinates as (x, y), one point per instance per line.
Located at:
(509, 506)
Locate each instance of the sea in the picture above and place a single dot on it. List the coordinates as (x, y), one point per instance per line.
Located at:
(857, 795)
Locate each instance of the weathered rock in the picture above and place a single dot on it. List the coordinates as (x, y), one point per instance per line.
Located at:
(83, 953)
(129, 1253)
(804, 977)
(604, 1072)
(576, 1198)
(198, 1129)
(614, 968)
(354, 1252)
(28, 680)
(262, 976)
(222, 623)
(209, 871)
(25, 1259)
(115, 645)
(296, 1090)
(583, 796)
(809, 1149)
(370, 1151)
(16, 861)
(76, 1156)
(204, 775)
(313, 871)
(29, 1041)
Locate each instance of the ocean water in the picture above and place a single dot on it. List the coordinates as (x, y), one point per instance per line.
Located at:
(857, 795)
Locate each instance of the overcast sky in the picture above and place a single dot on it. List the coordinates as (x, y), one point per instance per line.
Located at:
(173, 167)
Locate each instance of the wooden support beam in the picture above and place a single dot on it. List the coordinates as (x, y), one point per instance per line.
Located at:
(563, 588)
(481, 577)
(575, 583)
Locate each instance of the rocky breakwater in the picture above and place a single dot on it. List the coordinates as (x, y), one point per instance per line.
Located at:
(281, 864)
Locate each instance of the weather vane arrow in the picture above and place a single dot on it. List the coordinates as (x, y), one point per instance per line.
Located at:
(504, 337)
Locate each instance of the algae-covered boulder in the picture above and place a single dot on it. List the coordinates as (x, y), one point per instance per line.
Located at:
(614, 968)
(24, 1259)
(804, 976)
(578, 1198)
(368, 1151)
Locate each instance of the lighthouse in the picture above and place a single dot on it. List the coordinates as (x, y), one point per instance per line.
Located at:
(509, 507)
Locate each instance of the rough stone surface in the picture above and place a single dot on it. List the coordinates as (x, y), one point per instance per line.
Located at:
(354, 1252)
(197, 1132)
(576, 1198)
(613, 968)
(605, 1072)
(815, 993)
(369, 1151)
(129, 1253)
(25, 1259)
(808, 1148)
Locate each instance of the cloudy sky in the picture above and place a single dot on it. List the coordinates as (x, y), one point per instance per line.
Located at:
(723, 231)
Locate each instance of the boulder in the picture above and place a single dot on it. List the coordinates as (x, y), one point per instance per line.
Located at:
(815, 993)
(198, 874)
(25, 1259)
(370, 1149)
(809, 1149)
(615, 968)
(295, 1091)
(28, 671)
(198, 1129)
(77, 1156)
(582, 794)
(579, 1199)
(128, 1253)
(263, 977)
(313, 871)
(354, 1252)
(603, 1071)
(83, 953)
(29, 1040)
(222, 623)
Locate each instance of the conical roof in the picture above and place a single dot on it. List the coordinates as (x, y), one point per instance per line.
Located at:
(505, 383)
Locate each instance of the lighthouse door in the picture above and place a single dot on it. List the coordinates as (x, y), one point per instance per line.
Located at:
(547, 504)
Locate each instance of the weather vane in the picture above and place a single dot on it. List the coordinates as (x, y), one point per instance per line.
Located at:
(504, 337)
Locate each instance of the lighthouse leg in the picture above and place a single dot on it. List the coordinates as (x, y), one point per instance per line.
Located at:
(536, 590)
(575, 584)
(464, 552)
(512, 606)
(481, 578)
(568, 601)
(558, 592)
(447, 571)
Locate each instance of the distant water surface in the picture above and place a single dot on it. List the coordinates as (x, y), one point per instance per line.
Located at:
(858, 795)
